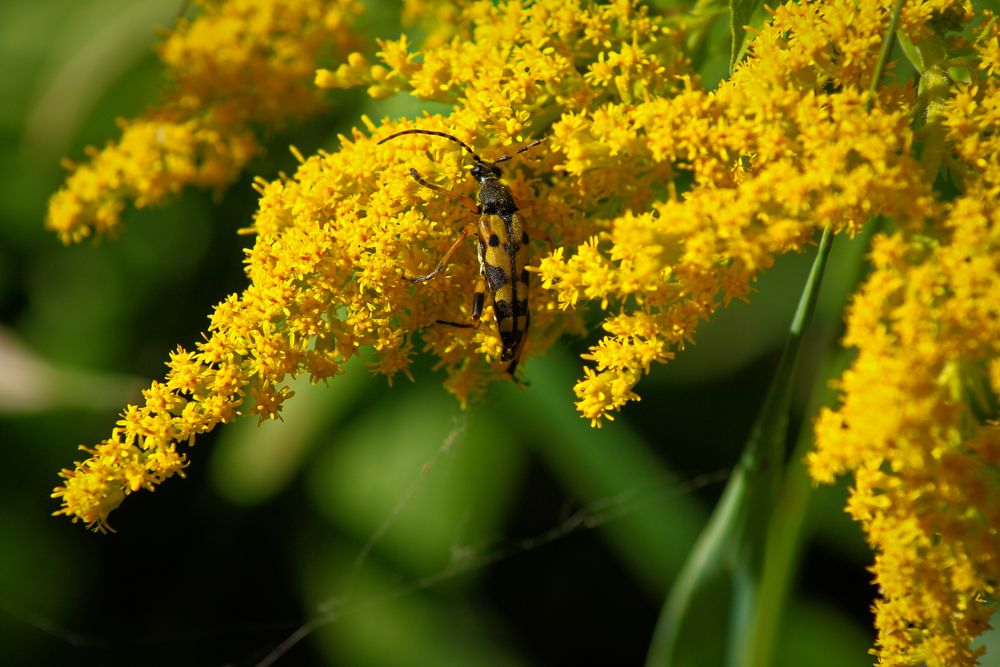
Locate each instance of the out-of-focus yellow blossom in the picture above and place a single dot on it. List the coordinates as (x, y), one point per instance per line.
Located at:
(239, 66)
(439, 20)
(156, 157)
(912, 424)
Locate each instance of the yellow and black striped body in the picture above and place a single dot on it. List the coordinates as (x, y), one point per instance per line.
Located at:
(502, 248)
(503, 254)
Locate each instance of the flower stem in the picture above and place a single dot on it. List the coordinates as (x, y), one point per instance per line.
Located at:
(741, 532)
(733, 543)
(883, 54)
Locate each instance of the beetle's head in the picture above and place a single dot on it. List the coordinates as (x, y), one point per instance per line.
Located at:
(485, 170)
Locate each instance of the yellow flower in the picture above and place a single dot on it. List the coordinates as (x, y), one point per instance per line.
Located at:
(926, 325)
(335, 239)
(238, 66)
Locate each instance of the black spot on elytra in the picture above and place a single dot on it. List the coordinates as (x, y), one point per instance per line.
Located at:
(524, 238)
(495, 276)
(502, 309)
(521, 307)
(524, 276)
(494, 240)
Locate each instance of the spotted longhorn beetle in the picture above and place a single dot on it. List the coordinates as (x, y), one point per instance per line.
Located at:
(502, 237)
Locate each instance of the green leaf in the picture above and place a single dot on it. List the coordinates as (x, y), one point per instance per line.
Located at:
(743, 13)
(734, 543)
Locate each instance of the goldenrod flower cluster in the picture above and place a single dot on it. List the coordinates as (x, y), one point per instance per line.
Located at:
(335, 240)
(665, 200)
(912, 425)
(781, 149)
(241, 66)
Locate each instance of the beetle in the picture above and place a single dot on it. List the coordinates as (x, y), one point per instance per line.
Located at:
(502, 248)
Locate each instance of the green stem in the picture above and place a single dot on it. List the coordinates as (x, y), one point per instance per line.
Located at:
(784, 530)
(773, 572)
(734, 539)
(883, 54)
(742, 531)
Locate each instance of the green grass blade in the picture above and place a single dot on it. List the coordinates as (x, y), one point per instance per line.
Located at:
(733, 543)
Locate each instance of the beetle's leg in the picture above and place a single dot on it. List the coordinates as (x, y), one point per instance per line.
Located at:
(468, 230)
(477, 308)
(536, 233)
(465, 199)
(516, 380)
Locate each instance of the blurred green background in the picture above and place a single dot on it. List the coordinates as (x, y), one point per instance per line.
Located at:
(407, 531)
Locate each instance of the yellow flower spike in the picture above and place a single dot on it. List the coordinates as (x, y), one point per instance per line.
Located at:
(924, 289)
(236, 65)
(334, 239)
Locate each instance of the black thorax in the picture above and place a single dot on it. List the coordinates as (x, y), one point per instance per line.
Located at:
(495, 198)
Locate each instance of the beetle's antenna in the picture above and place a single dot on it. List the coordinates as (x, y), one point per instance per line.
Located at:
(458, 141)
(531, 145)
